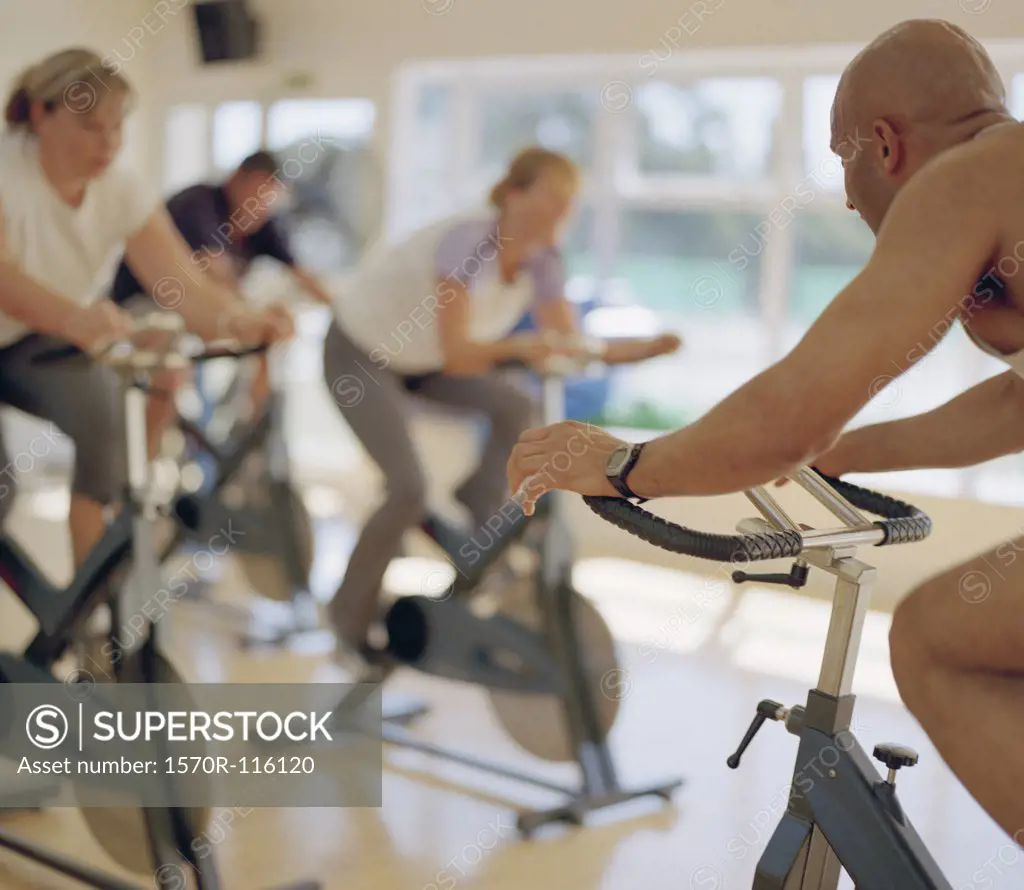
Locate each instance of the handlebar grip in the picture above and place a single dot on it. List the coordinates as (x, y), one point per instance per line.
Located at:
(243, 352)
(68, 353)
(58, 354)
(703, 545)
(903, 523)
(555, 366)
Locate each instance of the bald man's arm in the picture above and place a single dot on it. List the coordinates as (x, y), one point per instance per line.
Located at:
(938, 235)
(981, 424)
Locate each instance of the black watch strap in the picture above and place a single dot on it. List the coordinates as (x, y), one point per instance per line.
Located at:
(620, 481)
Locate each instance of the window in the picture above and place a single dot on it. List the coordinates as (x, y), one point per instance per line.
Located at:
(691, 263)
(236, 133)
(829, 249)
(429, 183)
(821, 166)
(324, 148)
(186, 146)
(720, 127)
(336, 189)
(690, 268)
(511, 121)
(338, 120)
(1017, 96)
(712, 204)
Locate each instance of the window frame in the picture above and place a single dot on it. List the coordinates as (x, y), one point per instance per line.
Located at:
(614, 184)
(264, 104)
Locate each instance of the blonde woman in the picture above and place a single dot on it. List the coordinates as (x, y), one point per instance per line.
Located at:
(67, 214)
(432, 315)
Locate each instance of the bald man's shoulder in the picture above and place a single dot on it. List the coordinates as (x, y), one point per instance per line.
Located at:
(992, 162)
(970, 196)
(992, 166)
(982, 175)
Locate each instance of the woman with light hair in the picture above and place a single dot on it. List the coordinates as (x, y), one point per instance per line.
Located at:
(67, 214)
(433, 315)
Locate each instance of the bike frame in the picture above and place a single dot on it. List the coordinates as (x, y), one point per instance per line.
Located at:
(61, 613)
(849, 818)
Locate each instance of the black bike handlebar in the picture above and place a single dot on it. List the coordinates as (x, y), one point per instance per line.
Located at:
(242, 352)
(69, 353)
(560, 367)
(903, 524)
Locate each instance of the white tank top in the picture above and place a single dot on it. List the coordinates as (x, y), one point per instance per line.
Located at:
(390, 304)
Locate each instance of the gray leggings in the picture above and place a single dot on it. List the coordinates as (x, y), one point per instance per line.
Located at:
(81, 402)
(376, 405)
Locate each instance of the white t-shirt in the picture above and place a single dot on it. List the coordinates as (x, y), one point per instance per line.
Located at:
(73, 251)
(389, 307)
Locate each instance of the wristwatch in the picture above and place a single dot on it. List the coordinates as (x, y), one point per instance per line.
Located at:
(620, 464)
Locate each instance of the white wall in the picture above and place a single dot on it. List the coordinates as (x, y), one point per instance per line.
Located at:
(33, 30)
(353, 49)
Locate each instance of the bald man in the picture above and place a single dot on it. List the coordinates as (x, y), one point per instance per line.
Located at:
(934, 164)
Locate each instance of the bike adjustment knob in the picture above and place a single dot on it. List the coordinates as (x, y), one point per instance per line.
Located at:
(895, 756)
(766, 710)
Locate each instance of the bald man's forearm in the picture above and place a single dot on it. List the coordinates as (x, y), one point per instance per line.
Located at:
(982, 424)
(763, 431)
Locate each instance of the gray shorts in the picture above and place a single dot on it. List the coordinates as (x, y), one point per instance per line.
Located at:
(83, 402)
(80, 402)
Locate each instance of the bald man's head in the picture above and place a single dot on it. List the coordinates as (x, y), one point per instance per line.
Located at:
(921, 87)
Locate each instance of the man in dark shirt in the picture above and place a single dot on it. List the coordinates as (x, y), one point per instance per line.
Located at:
(227, 226)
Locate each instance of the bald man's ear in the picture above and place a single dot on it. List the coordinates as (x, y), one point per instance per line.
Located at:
(889, 146)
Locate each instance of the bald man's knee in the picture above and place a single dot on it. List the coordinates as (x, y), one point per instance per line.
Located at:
(911, 643)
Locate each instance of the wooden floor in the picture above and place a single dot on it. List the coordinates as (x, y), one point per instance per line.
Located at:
(692, 680)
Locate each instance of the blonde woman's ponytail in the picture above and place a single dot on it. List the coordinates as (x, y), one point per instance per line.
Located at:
(19, 104)
(76, 77)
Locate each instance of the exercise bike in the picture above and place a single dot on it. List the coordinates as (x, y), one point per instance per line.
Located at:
(274, 543)
(852, 820)
(165, 840)
(542, 655)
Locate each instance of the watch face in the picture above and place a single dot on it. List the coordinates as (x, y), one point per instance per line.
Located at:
(617, 460)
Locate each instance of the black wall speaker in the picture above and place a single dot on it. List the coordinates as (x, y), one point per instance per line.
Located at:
(227, 31)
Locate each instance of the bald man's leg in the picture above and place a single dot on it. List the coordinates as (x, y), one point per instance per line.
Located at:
(957, 648)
